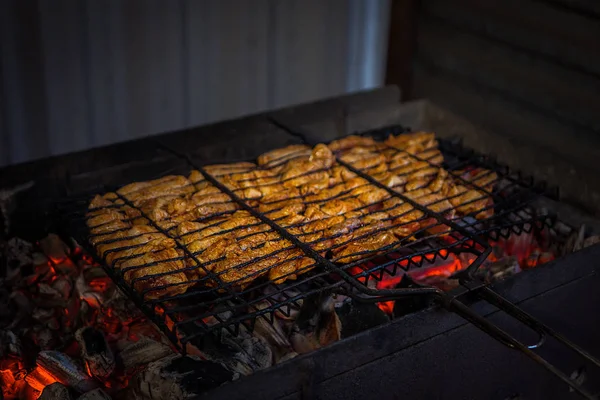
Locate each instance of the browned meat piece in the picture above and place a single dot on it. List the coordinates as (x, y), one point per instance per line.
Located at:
(163, 277)
(118, 257)
(320, 158)
(319, 225)
(432, 156)
(313, 212)
(242, 265)
(288, 209)
(227, 169)
(205, 188)
(326, 194)
(201, 199)
(296, 264)
(102, 201)
(468, 201)
(291, 220)
(283, 153)
(316, 185)
(350, 142)
(339, 207)
(109, 227)
(106, 216)
(365, 160)
(441, 182)
(356, 182)
(200, 241)
(321, 176)
(341, 174)
(137, 235)
(170, 185)
(372, 196)
(479, 177)
(275, 201)
(390, 180)
(435, 201)
(207, 210)
(364, 248)
(412, 142)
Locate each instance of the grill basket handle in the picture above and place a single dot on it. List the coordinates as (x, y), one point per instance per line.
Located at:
(488, 295)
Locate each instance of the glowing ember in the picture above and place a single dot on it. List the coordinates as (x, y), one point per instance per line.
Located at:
(508, 256)
(62, 292)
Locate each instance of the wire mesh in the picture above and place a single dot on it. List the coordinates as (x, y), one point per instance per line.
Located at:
(231, 243)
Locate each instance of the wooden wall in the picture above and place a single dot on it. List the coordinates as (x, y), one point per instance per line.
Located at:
(82, 73)
(525, 68)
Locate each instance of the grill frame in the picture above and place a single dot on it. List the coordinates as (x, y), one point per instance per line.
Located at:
(171, 327)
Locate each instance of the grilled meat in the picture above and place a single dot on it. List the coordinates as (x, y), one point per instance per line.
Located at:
(163, 234)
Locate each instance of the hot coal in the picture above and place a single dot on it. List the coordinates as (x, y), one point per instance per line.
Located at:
(55, 391)
(64, 369)
(177, 377)
(98, 356)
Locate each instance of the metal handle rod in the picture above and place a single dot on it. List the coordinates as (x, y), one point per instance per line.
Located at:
(506, 339)
(516, 312)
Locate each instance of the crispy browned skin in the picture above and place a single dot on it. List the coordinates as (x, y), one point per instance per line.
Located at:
(163, 277)
(324, 204)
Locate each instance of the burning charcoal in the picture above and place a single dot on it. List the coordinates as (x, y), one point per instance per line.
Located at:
(242, 353)
(42, 314)
(53, 324)
(55, 391)
(19, 251)
(54, 248)
(65, 370)
(45, 339)
(95, 351)
(9, 344)
(317, 324)
(177, 377)
(96, 394)
(142, 352)
(63, 286)
(48, 291)
(498, 270)
(20, 307)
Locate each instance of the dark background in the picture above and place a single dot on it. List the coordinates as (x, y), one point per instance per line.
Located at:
(78, 74)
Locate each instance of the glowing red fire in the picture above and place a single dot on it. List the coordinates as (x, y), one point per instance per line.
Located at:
(524, 249)
(70, 278)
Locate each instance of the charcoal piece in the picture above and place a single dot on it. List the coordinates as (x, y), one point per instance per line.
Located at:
(96, 394)
(55, 391)
(45, 339)
(178, 377)
(54, 248)
(18, 255)
(142, 352)
(241, 353)
(357, 317)
(9, 344)
(64, 369)
(95, 351)
(317, 324)
(63, 286)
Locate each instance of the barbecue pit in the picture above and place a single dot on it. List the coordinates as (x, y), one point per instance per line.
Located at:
(523, 233)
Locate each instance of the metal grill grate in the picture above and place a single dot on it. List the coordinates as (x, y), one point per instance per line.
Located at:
(198, 295)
